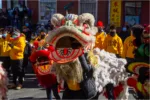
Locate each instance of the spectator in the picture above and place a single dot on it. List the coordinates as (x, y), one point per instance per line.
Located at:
(125, 32)
(40, 28)
(17, 44)
(33, 38)
(3, 18)
(100, 36)
(10, 16)
(26, 17)
(4, 51)
(128, 48)
(49, 26)
(27, 53)
(16, 22)
(27, 32)
(113, 42)
(42, 35)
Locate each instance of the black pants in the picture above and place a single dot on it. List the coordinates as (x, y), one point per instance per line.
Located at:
(25, 64)
(54, 88)
(109, 90)
(17, 70)
(69, 94)
(6, 63)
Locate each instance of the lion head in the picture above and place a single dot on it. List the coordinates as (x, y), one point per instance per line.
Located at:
(71, 36)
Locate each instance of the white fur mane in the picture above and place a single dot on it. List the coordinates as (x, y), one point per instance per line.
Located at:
(109, 70)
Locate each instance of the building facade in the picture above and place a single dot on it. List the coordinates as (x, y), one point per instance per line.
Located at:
(132, 11)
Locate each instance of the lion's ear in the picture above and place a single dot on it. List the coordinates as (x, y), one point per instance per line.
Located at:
(57, 19)
(86, 18)
(95, 30)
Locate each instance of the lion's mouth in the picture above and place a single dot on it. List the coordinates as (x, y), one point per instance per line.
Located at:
(43, 66)
(67, 49)
(68, 42)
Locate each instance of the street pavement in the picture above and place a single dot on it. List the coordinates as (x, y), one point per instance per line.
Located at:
(32, 91)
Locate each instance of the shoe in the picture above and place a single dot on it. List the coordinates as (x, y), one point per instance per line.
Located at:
(11, 86)
(39, 85)
(19, 87)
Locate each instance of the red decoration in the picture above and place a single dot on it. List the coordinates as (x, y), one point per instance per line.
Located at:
(51, 48)
(46, 80)
(116, 91)
(100, 24)
(36, 44)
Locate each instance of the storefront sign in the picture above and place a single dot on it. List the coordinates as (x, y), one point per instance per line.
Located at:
(115, 12)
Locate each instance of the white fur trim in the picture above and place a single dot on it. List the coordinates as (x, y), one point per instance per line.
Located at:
(86, 17)
(72, 31)
(110, 69)
(56, 19)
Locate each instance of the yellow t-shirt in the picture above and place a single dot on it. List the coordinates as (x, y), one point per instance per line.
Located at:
(4, 48)
(128, 47)
(100, 37)
(113, 44)
(73, 85)
(17, 52)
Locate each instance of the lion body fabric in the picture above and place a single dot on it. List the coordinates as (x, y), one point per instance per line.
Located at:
(3, 83)
(109, 69)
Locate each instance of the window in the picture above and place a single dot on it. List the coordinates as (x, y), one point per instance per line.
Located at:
(88, 6)
(17, 3)
(132, 12)
(47, 9)
(0, 4)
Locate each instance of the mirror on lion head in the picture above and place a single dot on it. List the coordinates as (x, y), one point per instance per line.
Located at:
(72, 34)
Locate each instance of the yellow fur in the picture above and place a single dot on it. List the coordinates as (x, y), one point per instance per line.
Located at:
(92, 58)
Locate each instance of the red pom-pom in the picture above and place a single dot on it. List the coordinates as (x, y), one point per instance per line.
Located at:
(36, 44)
(132, 82)
(51, 48)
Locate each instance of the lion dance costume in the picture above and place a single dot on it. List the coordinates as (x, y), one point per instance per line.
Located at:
(3, 83)
(73, 37)
(42, 65)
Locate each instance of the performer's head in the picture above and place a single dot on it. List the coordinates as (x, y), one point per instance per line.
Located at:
(137, 31)
(43, 34)
(112, 30)
(100, 26)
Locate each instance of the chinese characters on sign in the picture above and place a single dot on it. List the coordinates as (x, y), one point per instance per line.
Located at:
(115, 12)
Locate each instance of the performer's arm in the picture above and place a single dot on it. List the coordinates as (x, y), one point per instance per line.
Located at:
(84, 63)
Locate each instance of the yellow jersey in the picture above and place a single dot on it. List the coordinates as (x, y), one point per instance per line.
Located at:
(113, 44)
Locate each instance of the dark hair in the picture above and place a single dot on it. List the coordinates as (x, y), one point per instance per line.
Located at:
(137, 32)
(42, 30)
(15, 30)
(137, 29)
(1, 29)
(112, 27)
